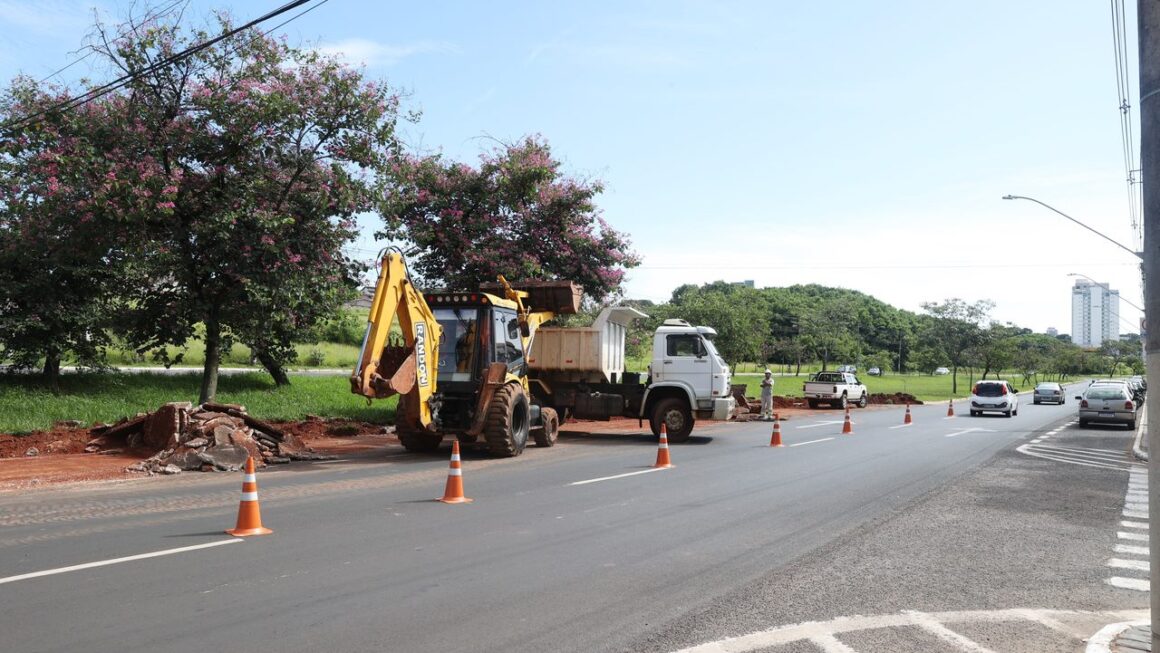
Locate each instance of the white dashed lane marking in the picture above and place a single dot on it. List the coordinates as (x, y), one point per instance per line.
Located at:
(1131, 561)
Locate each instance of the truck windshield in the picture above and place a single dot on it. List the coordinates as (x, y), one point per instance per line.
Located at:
(460, 341)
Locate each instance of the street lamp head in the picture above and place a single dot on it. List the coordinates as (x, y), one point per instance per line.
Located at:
(1008, 197)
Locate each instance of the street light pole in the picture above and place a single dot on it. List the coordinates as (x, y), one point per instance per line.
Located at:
(1052, 208)
(1148, 34)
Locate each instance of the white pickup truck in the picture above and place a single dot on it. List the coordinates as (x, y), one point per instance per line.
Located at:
(836, 388)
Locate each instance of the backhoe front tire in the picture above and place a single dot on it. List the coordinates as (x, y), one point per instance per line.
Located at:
(508, 421)
(546, 435)
(413, 440)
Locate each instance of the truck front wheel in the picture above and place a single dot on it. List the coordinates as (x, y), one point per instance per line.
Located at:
(862, 401)
(675, 415)
(507, 425)
(546, 436)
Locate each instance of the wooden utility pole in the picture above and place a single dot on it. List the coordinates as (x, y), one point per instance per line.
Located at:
(1148, 18)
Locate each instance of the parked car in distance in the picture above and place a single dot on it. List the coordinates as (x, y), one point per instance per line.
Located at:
(994, 397)
(848, 369)
(1050, 392)
(874, 371)
(1138, 390)
(941, 371)
(1107, 402)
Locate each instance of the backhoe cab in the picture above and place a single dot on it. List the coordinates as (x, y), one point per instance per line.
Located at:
(458, 360)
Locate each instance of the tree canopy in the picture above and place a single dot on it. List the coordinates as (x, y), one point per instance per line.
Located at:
(227, 182)
(517, 214)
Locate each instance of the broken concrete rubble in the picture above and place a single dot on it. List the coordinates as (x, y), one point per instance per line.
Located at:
(211, 437)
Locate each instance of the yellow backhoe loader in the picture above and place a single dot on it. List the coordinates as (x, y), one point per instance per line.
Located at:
(458, 360)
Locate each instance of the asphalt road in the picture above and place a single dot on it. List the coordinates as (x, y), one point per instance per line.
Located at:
(737, 537)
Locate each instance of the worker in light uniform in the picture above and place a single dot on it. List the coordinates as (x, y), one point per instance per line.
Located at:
(767, 396)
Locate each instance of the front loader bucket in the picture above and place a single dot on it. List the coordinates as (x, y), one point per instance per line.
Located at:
(396, 371)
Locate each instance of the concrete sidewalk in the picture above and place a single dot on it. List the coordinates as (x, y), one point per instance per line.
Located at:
(1127, 637)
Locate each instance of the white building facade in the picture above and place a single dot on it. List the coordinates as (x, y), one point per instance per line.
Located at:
(1095, 313)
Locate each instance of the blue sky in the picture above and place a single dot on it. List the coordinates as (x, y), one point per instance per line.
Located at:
(862, 145)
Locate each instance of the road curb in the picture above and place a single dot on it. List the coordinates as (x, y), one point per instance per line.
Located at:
(1101, 642)
(1137, 448)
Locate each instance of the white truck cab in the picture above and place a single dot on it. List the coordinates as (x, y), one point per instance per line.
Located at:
(685, 361)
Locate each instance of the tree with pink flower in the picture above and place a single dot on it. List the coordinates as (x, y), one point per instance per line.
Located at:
(516, 214)
(228, 181)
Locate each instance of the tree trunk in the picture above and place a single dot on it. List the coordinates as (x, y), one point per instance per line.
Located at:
(52, 368)
(273, 367)
(213, 356)
(954, 380)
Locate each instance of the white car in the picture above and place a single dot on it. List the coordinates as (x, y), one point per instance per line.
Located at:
(941, 371)
(994, 397)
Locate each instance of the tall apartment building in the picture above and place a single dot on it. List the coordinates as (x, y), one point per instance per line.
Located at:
(1095, 313)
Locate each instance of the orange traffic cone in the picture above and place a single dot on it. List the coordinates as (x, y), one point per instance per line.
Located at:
(663, 450)
(775, 441)
(249, 516)
(453, 493)
(906, 420)
(951, 408)
(847, 426)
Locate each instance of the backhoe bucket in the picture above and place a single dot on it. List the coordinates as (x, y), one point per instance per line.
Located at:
(561, 297)
(396, 371)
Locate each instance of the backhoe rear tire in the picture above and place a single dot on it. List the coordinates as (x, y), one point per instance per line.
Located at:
(508, 422)
(546, 436)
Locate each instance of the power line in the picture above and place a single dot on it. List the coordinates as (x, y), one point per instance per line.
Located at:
(1127, 130)
(124, 80)
(160, 13)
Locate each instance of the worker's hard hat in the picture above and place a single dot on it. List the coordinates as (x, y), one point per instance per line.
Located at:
(768, 372)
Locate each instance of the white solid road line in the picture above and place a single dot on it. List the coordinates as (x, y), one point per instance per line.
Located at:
(1138, 584)
(817, 424)
(951, 435)
(901, 426)
(609, 478)
(811, 442)
(1138, 565)
(115, 561)
(1138, 537)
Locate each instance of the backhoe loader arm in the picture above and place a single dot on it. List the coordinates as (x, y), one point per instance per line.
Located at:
(529, 321)
(406, 364)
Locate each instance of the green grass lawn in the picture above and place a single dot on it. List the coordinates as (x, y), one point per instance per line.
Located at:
(26, 405)
(323, 354)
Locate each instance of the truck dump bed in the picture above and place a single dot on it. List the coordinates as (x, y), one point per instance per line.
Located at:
(594, 354)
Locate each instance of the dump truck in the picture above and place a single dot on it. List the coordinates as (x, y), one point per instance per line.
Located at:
(456, 360)
(580, 373)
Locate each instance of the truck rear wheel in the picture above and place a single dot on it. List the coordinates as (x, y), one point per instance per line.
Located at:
(840, 403)
(546, 435)
(675, 415)
(507, 425)
(812, 402)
